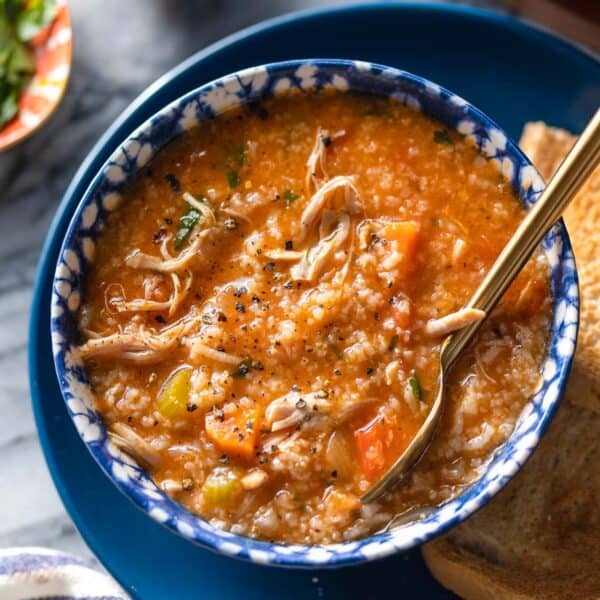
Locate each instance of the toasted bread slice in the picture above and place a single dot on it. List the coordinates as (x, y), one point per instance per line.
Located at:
(540, 537)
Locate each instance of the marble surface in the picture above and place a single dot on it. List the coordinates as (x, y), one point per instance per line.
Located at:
(108, 72)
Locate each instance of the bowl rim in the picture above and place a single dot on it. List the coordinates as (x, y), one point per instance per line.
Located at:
(369, 548)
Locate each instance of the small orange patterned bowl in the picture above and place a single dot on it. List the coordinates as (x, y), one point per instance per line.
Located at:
(52, 52)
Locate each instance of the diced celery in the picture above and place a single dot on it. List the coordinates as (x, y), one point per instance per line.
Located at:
(174, 394)
(222, 487)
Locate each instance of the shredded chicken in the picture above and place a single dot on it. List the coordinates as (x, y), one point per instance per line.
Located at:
(164, 247)
(456, 320)
(271, 442)
(143, 304)
(235, 214)
(140, 346)
(139, 260)
(133, 444)
(113, 293)
(202, 207)
(315, 165)
(171, 486)
(393, 372)
(294, 408)
(284, 255)
(458, 250)
(338, 185)
(315, 259)
(312, 411)
(254, 479)
(364, 230)
(198, 349)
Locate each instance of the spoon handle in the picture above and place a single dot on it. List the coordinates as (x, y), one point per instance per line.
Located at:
(570, 176)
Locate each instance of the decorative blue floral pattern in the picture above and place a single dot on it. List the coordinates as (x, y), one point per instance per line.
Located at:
(104, 196)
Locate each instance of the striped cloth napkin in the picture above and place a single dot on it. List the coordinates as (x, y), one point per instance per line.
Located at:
(39, 573)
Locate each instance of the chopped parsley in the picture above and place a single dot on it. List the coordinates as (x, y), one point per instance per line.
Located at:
(393, 343)
(415, 385)
(290, 196)
(187, 222)
(441, 136)
(235, 157)
(233, 178)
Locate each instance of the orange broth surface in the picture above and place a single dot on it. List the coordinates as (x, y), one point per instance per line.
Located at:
(261, 348)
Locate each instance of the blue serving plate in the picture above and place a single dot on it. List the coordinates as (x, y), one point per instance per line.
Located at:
(510, 70)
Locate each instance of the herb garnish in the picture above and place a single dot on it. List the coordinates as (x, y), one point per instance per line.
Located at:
(187, 222)
(235, 157)
(290, 196)
(415, 386)
(441, 136)
(233, 178)
(393, 343)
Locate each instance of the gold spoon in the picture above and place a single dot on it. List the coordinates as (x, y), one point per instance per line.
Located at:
(571, 174)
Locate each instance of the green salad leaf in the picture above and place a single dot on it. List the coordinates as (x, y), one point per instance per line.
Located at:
(35, 15)
(20, 21)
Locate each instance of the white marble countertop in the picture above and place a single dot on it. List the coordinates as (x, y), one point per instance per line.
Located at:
(109, 70)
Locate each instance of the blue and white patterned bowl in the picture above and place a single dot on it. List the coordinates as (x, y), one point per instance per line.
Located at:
(137, 150)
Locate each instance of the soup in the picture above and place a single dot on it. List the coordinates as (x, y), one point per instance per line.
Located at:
(264, 315)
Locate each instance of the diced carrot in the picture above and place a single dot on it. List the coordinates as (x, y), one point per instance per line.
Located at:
(234, 435)
(370, 441)
(380, 442)
(406, 236)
